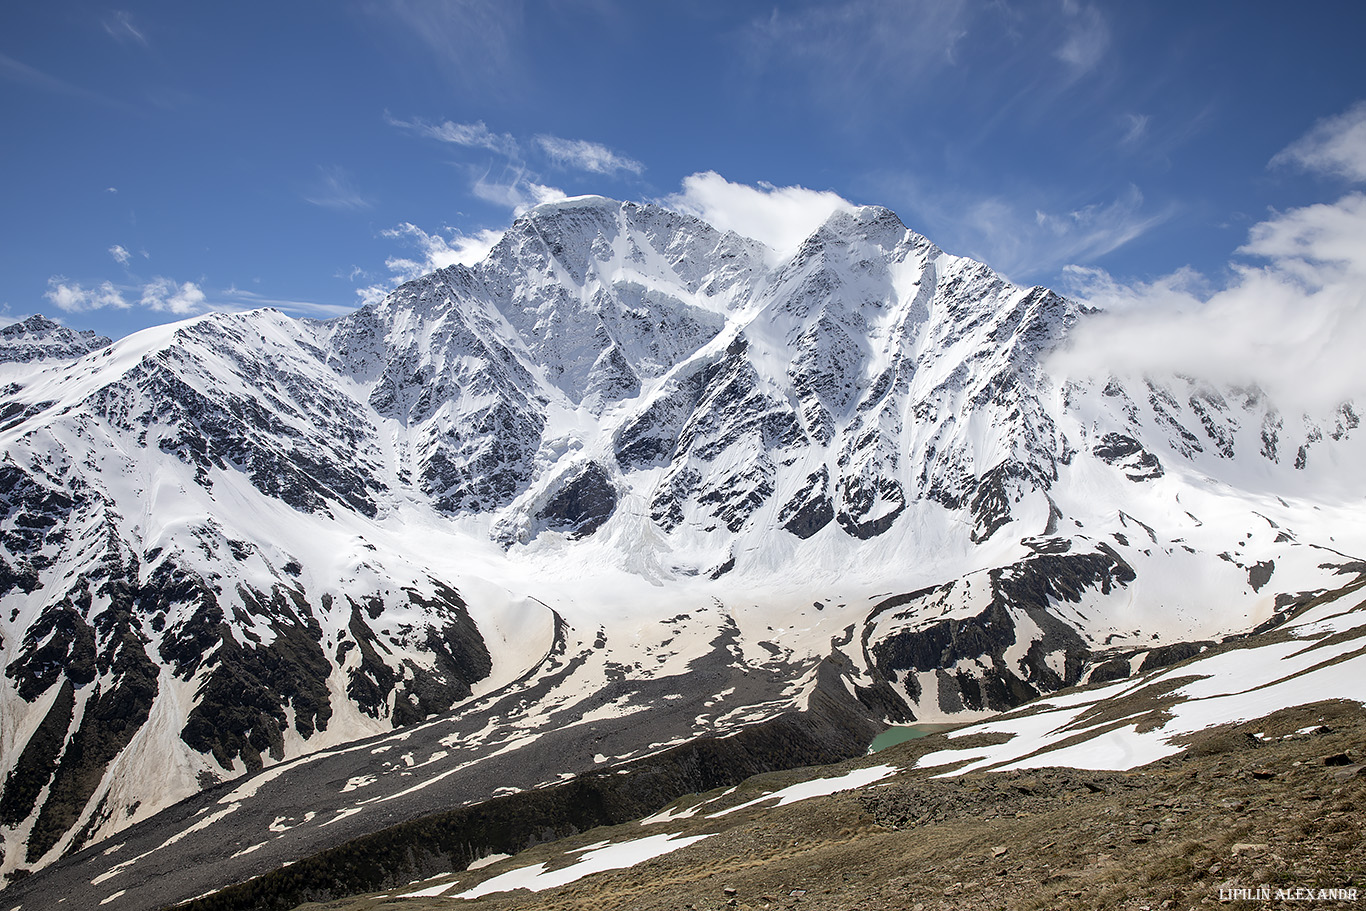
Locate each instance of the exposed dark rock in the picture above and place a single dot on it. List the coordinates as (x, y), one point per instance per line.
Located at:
(735, 497)
(482, 465)
(666, 504)
(1166, 408)
(461, 659)
(189, 642)
(990, 503)
(38, 761)
(113, 713)
(1127, 454)
(810, 509)
(1259, 573)
(215, 431)
(60, 644)
(651, 437)
(1212, 410)
(458, 651)
(1029, 587)
(584, 501)
(32, 514)
(22, 577)
(1167, 655)
(868, 507)
(724, 568)
(371, 681)
(1107, 671)
(611, 378)
(39, 338)
(241, 707)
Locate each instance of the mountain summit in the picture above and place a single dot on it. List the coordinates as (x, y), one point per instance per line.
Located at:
(623, 484)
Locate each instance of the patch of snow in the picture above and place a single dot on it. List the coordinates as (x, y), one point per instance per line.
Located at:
(818, 787)
(668, 814)
(605, 857)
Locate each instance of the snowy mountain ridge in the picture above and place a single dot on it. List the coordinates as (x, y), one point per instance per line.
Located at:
(623, 454)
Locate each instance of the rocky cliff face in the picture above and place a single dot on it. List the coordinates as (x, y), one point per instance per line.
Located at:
(39, 338)
(622, 449)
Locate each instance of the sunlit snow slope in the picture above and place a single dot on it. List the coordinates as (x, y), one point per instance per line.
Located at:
(620, 464)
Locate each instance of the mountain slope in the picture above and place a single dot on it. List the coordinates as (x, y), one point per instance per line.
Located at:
(624, 467)
(1200, 775)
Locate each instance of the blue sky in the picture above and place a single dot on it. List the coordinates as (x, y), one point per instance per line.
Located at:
(164, 158)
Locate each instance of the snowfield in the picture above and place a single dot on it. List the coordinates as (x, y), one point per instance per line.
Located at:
(629, 482)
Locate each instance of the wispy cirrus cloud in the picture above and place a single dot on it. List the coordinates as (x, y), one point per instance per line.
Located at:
(515, 188)
(334, 188)
(18, 71)
(119, 25)
(1135, 128)
(1335, 146)
(1093, 230)
(475, 135)
(121, 255)
(513, 183)
(570, 154)
(237, 298)
(583, 155)
(1086, 36)
(1026, 237)
(476, 43)
(844, 47)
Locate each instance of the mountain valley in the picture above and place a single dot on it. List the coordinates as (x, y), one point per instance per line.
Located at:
(632, 498)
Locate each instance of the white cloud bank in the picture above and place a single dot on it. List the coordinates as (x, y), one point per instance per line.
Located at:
(1293, 324)
(438, 252)
(160, 294)
(72, 297)
(778, 217)
(433, 251)
(166, 296)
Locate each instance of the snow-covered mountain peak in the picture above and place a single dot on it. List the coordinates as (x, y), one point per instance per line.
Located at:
(873, 224)
(38, 338)
(623, 241)
(623, 447)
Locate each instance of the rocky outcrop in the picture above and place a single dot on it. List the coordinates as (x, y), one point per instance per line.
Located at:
(40, 339)
(966, 656)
